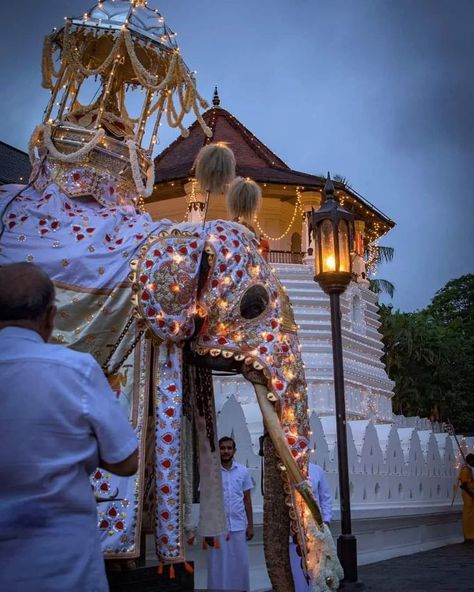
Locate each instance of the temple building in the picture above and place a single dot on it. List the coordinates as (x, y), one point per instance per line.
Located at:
(288, 195)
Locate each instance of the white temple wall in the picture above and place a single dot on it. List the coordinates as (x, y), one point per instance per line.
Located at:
(384, 473)
(401, 483)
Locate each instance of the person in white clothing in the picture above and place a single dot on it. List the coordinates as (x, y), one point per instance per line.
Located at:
(59, 420)
(228, 562)
(323, 497)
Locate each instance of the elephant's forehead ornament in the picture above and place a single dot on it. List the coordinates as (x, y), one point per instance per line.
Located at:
(249, 317)
(247, 313)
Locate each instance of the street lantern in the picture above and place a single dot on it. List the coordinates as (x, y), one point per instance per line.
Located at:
(332, 228)
(333, 231)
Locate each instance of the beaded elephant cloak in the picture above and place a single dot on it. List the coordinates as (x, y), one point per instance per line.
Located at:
(86, 249)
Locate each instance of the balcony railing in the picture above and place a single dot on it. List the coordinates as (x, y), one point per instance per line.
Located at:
(285, 257)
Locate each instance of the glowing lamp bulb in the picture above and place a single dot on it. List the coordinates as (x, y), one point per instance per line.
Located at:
(330, 263)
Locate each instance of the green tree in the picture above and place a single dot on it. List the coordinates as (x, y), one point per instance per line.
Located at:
(430, 356)
(453, 305)
(453, 308)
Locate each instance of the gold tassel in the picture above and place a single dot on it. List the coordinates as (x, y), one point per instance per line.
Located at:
(243, 198)
(215, 167)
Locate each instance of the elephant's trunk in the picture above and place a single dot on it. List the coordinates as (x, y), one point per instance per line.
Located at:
(273, 425)
(276, 523)
(276, 520)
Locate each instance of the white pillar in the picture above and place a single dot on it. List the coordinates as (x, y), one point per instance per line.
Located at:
(358, 263)
(196, 202)
(309, 200)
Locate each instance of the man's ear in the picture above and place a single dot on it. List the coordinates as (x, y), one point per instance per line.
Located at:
(49, 321)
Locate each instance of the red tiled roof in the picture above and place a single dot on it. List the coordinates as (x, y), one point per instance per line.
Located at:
(254, 159)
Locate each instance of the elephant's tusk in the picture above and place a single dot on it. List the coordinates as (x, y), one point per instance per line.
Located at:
(272, 423)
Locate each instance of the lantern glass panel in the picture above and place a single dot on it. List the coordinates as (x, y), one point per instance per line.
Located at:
(327, 247)
(344, 250)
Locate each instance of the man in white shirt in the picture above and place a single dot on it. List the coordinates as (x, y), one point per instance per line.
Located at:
(323, 497)
(59, 420)
(228, 562)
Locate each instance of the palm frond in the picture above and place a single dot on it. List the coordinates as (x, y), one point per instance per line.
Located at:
(382, 287)
(379, 254)
(341, 179)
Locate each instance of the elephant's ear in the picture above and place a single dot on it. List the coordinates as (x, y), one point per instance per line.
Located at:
(165, 281)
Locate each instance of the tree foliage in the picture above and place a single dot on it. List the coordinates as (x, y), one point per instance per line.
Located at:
(430, 356)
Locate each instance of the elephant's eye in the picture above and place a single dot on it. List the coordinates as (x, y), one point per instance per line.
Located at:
(254, 301)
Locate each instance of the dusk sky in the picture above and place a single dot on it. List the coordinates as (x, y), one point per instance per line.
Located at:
(381, 92)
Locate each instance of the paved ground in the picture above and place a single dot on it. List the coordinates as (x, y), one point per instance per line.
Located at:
(447, 569)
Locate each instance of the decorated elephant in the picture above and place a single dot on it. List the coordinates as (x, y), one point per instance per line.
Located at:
(198, 299)
(160, 305)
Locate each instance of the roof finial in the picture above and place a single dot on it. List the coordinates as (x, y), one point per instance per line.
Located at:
(329, 187)
(216, 101)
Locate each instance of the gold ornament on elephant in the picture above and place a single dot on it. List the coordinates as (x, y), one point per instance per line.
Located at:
(118, 47)
(287, 323)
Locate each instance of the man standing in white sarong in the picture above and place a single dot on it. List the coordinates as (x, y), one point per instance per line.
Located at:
(228, 561)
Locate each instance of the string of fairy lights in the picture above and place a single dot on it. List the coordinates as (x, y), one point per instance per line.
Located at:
(298, 207)
(374, 228)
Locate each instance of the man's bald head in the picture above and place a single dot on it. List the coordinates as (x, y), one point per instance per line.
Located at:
(26, 296)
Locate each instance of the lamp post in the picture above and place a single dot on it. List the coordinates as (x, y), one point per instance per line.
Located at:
(332, 228)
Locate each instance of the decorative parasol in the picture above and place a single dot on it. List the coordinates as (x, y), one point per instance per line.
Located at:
(120, 47)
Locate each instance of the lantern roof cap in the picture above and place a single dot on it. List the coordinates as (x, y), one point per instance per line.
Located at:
(330, 208)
